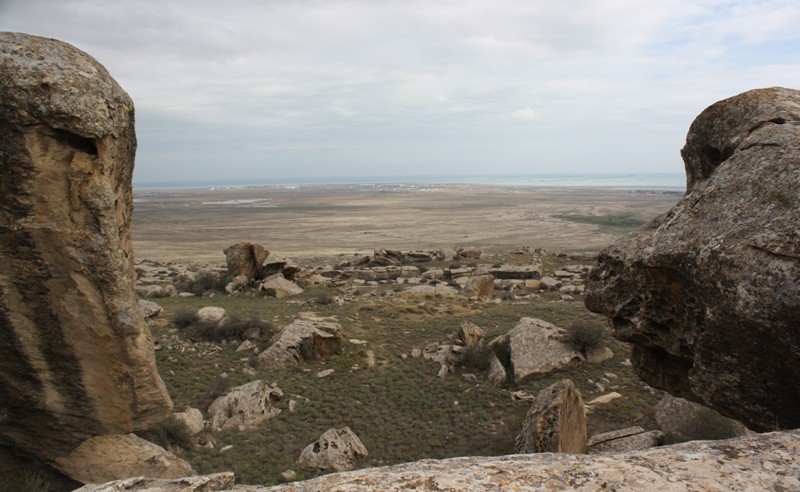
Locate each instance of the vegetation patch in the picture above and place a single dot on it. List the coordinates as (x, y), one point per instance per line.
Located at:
(618, 221)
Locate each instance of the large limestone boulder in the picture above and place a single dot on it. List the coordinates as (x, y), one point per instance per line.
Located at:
(110, 457)
(683, 420)
(761, 462)
(555, 423)
(336, 449)
(302, 340)
(534, 349)
(77, 357)
(708, 293)
(245, 259)
(245, 406)
(480, 286)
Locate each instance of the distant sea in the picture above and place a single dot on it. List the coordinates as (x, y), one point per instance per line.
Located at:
(634, 181)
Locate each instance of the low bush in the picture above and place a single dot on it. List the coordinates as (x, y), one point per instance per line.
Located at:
(584, 336)
(477, 357)
(184, 318)
(26, 481)
(169, 434)
(233, 327)
(219, 387)
(202, 282)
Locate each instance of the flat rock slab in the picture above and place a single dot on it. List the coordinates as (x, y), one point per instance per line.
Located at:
(302, 340)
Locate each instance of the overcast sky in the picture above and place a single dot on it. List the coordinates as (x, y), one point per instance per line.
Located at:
(271, 89)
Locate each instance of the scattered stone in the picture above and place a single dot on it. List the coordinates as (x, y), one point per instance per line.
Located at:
(302, 340)
(416, 353)
(370, 356)
(210, 314)
(630, 439)
(325, 373)
(481, 286)
(549, 283)
(246, 346)
(237, 283)
(555, 423)
(336, 449)
(355, 341)
(470, 253)
(598, 355)
(226, 448)
(109, 457)
(149, 309)
(289, 475)
(245, 406)
(279, 287)
(604, 399)
(496, 374)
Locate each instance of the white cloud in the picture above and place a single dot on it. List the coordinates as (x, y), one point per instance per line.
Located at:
(421, 84)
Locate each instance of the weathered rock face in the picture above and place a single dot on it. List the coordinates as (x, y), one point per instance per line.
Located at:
(245, 259)
(630, 439)
(245, 406)
(207, 483)
(336, 449)
(556, 422)
(76, 355)
(709, 293)
(761, 462)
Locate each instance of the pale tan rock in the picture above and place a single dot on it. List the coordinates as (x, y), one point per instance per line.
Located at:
(497, 373)
(683, 420)
(598, 355)
(149, 309)
(470, 333)
(761, 462)
(336, 449)
(302, 340)
(210, 314)
(104, 458)
(534, 349)
(555, 423)
(216, 482)
(77, 356)
(630, 439)
(192, 418)
(481, 286)
(245, 406)
(278, 286)
(604, 399)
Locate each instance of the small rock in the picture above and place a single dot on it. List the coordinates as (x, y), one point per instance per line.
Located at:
(325, 373)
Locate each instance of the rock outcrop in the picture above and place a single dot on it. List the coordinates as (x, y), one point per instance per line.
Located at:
(534, 349)
(77, 357)
(336, 449)
(245, 260)
(709, 293)
(763, 462)
(556, 422)
(302, 340)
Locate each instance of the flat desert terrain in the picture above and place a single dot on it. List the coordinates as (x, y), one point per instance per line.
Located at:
(322, 221)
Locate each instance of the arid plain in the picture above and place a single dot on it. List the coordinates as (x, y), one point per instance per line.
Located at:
(322, 221)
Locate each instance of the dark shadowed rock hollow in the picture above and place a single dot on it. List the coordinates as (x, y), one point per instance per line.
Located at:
(709, 293)
(76, 358)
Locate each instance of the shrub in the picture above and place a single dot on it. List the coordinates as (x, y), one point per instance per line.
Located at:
(184, 318)
(232, 327)
(477, 357)
(27, 481)
(219, 387)
(169, 434)
(204, 282)
(584, 336)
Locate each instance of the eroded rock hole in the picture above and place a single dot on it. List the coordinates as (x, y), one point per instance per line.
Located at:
(77, 142)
